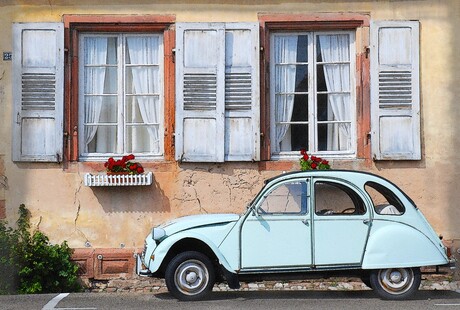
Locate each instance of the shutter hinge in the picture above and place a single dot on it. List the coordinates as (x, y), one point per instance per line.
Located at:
(173, 52)
(18, 119)
(367, 50)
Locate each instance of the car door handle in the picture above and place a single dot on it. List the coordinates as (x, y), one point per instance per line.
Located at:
(366, 221)
(306, 222)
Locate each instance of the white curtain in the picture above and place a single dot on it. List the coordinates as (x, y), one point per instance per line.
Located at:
(335, 48)
(95, 54)
(285, 53)
(142, 51)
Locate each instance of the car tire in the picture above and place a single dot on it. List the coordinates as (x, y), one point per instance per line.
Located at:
(395, 283)
(190, 276)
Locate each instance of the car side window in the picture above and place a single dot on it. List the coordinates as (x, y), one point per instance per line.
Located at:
(384, 200)
(287, 198)
(337, 199)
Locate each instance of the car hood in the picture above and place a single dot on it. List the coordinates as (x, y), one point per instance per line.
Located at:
(192, 221)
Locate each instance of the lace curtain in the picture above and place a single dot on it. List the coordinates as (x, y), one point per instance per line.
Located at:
(335, 52)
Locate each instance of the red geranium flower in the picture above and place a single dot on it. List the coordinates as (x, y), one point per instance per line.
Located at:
(123, 165)
(312, 162)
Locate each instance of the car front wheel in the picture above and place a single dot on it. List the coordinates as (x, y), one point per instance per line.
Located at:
(395, 283)
(190, 276)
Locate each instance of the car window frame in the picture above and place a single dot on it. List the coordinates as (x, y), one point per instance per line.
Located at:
(263, 194)
(342, 182)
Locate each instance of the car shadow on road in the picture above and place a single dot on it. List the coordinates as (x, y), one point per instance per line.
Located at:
(270, 294)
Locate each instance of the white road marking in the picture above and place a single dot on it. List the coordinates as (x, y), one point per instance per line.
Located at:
(53, 302)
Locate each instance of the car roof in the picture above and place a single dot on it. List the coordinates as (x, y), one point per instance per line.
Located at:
(353, 176)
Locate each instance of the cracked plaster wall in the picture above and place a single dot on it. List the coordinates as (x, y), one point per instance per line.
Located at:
(114, 217)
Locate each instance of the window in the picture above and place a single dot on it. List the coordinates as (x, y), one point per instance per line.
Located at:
(384, 200)
(337, 199)
(312, 95)
(119, 87)
(121, 95)
(286, 198)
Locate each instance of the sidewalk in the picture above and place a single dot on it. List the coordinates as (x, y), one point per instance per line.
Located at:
(446, 279)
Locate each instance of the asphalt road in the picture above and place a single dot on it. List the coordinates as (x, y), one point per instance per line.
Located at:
(440, 300)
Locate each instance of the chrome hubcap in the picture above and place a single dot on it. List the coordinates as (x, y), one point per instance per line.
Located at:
(396, 281)
(191, 277)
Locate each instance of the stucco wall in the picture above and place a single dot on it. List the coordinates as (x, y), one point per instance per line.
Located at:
(65, 209)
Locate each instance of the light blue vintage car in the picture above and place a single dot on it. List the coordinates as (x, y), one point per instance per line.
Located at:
(301, 224)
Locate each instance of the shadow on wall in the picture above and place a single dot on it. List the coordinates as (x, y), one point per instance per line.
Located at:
(151, 199)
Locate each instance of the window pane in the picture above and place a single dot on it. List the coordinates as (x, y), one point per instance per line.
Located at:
(299, 136)
(286, 198)
(142, 80)
(143, 109)
(333, 48)
(101, 109)
(101, 139)
(142, 139)
(142, 50)
(337, 199)
(334, 137)
(301, 79)
(300, 110)
(384, 200)
(333, 78)
(333, 107)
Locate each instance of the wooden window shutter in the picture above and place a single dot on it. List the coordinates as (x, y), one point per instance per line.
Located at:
(395, 91)
(242, 133)
(217, 92)
(200, 74)
(38, 88)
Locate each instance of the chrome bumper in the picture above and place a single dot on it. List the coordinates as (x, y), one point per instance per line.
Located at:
(140, 268)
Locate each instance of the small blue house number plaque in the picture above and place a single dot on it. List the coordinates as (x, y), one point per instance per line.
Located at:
(7, 56)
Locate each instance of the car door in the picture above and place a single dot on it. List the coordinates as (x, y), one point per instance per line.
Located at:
(341, 223)
(278, 233)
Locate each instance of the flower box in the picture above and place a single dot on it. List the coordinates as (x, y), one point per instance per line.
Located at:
(118, 179)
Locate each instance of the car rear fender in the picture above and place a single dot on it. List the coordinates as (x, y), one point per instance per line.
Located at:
(393, 244)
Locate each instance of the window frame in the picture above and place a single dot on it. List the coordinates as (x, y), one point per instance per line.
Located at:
(357, 22)
(75, 25)
(121, 96)
(313, 94)
(355, 197)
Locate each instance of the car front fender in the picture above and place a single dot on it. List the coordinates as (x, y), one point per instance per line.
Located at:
(165, 246)
(397, 245)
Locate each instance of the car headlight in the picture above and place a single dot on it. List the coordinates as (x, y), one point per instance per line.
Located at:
(158, 233)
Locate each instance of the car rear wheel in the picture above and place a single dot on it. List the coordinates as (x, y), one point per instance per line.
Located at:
(190, 276)
(395, 283)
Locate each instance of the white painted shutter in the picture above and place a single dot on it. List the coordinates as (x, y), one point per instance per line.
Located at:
(242, 92)
(38, 88)
(200, 85)
(395, 93)
(217, 92)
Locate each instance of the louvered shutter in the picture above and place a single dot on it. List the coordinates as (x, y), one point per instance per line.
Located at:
(200, 85)
(242, 92)
(217, 105)
(395, 98)
(38, 67)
